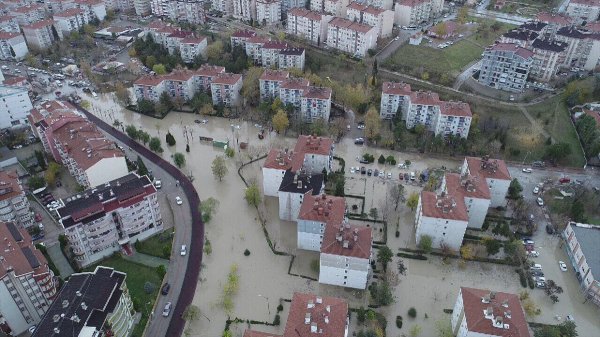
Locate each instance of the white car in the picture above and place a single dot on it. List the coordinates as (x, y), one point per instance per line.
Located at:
(183, 250)
(533, 253)
(178, 201)
(167, 309)
(352, 170)
(536, 190)
(562, 265)
(540, 202)
(527, 170)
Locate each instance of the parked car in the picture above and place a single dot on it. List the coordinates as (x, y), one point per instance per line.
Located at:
(167, 309)
(541, 285)
(527, 170)
(536, 190)
(359, 141)
(183, 250)
(352, 170)
(533, 253)
(562, 265)
(564, 180)
(165, 289)
(540, 202)
(536, 266)
(370, 172)
(158, 184)
(389, 175)
(528, 242)
(375, 172)
(536, 273)
(363, 170)
(549, 229)
(178, 201)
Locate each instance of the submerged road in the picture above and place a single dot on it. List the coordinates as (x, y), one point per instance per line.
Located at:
(183, 272)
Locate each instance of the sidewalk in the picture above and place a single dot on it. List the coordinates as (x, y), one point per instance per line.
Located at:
(147, 260)
(60, 261)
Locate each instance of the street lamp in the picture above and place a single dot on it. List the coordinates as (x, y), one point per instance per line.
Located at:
(268, 305)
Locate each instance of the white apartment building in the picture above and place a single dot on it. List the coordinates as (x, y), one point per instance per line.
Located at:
(379, 18)
(495, 173)
(291, 58)
(278, 162)
(308, 25)
(582, 248)
(93, 8)
(484, 313)
(505, 66)
(442, 217)
(14, 205)
(27, 285)
(9, 24)
(191, 47)
(253, 48)
(268, 12)
(71, 20)
(583, 10)
(413, 12)
(291, 91)
(548, 56)
(270, 82)
(14, 107)
(239, 38)
(317, 6)
(41, 35)
(315, 214)
(225, 89)
(395, 99)
(12, 46)
(442, 118)
(28, 14)
(142, 8)
(223, 6)
(159, 7)
(351, 37)
(244, 10)
(315, 104)
(90, 304)
(583, 47)
(294, 186)
(269, 53)
(286, 5)
(346, 254)
(110, 217)
(190, 11)
(475, 193)
(335, 7)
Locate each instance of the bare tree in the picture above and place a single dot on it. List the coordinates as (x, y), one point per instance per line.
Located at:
(396, 193)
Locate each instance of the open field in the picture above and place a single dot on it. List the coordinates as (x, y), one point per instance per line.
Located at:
(527, 8)
(158, 245)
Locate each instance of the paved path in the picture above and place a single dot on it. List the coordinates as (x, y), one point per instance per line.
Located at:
(534, 123)
(60, 261)
(147, 260)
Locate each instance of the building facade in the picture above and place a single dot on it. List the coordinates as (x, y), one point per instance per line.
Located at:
(12, 46)
(315, 214)
(71, 20)
(351, 37)
(294, 186)
(14, 205)
(291, 58)
(443, 218)
(268, 12)
(225, 89)
(309, 25)
(244, 10)
(110, 217)
(379, 18)
(582, 249)
(395, 99)
(14, 107)
(270, 83)
(506, 67)
(27, 285)
(315, 104)
(41, 35)
(412, 12)
(495, 173)
(583, 10)
(475, 193)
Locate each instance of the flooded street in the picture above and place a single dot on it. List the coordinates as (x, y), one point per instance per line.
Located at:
(430, 286)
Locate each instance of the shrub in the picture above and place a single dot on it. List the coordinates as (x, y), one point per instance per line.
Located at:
(149, 287)
(246, 252)
(277, 320)
(522, 278)
(229, 152)
(530, 282)
(170, 139)
(361, 315)
(399, 322)
(161, 270)
(381, 159)
(280, 308)
(412, 312)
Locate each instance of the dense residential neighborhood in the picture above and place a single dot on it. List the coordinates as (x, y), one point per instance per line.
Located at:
(255, 168)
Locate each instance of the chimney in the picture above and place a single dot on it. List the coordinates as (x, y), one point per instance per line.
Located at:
(307, 318)
(345, 244)
(313, 327)
(319, 300)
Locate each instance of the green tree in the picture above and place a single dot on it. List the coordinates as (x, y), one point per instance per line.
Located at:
(415, 331)
(219, 168)
(381, 159)
(578, 211)
(426, 243)
(372, 124)
(122, 94)
(229, 152)
(207, 247)
(463, 15)
(492, 245)
(557, 152)
(155, 145)
(36, 182)
(207, 208)
(142, 170)
(144, 136)
(252, 195)
(179, 159)
(146, 106)
(412, 201)
(52, 173)
(382, 293)
(170, 139)
(568, 329)
(384, 255)
(132, 132)
(280, 121)
(250, 89)
(41, 159)
(161, 270)
(515, 189)
(191, 313)
(159, 69)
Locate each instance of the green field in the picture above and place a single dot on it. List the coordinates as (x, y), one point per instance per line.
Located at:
(158, 245)
(137, 275)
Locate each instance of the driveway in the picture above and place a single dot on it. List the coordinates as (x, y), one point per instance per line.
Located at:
(60, 261)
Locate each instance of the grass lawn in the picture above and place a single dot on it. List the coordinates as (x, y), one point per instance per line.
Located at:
(158, 245)
(137, 275)
(563, 206)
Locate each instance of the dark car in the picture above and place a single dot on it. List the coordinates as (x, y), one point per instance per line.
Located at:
(406, 177)
(359, 141)
(536, 273)
(363, 161)
(376, 172)
(549, 229)
(363, 170)
(370, 172)
(165, 289)
(564, 180)
(401, 176)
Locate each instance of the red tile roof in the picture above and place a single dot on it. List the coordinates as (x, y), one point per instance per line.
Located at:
(351, 25)
(323, 208)
(305, 13)
(294, 83)
(411, 3)
(279, 160)
(275, 45)
(39, 24)
(15, 80)
(559, 19)
(193, 40)
(13, 252)
(524, 53)
(7, 35)
(313, 145)
(325, 316)
(258, 39)
(89, 2)
(180, 34)
(227, 78)
(210, 70)
(28, 8)
(317, 93)
(69, 13)
(459, 109)
(503, 306)
(252, 333)
(396, 88)
(274, 75)
(365, 8)
(347, 240)
(594, 114)
(449, 207)
(490, 168)
(425, 98)
(467, 186)
(149, 80)
(593, 27)
(10, 186)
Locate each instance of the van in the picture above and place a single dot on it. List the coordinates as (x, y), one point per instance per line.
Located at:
(536, 266)
(412, 176)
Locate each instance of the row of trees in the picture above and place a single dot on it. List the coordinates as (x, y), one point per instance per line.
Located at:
(151, 54)
(589, 134)
(143, 136)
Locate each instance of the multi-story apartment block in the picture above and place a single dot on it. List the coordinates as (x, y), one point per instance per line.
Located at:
(395, 99)
(315, 104)
(225, 89)
(495, 173)
(149, 88)
(548, 23)
(278, 162)
(317, 6)
(12, 46)
(71, 20)
(239, 38)
(111, 216)
(479, 313)
(159, 7)
(142, 8)
(14, 205)
(309, 25)
(27, 284)
(268, 12)
(244, 10)
(315, 214)
(287, 5)
(548, 56)
(41, 35)
(521, 37)
(291, 58)
(205, 75)
(336, 7)
(443, 217)
(186, 43)
(583, 47)
(351, 37)
(310, 314)
(294, 186)
(270, 82)
(475, 193)
(413, 12)
(583, 10)
(254, 48)
(93, 8)
(14, 107)
(192, 47)
(379, 18)
(442, 118)
(345, 256)
(423, 108)
(582, 249)
(28, 14)
(75, 142)
(506, 67)
(270, 53)
(291, 91)
(90, 304)
(191, 11)
(223, 6)
(9, 24)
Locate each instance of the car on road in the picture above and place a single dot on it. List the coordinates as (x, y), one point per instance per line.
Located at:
(363, 170)
(359, 141)
(533, 253)
(167, 309)
(536, 266)
(527, 170)
(382, 174)
(540, 202)
(183, 250)
(562, 265)
(360, 125)
(178, 201)
(564, 180)
(157, 184)
(528, 242)
(536, 190)
(352, 170)
(364, 161)
(31, 329)
(376, 173)
(541, 285)
(165, 289)
(389, 175)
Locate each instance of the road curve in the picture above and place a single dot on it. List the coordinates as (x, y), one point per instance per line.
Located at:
(190, 280)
